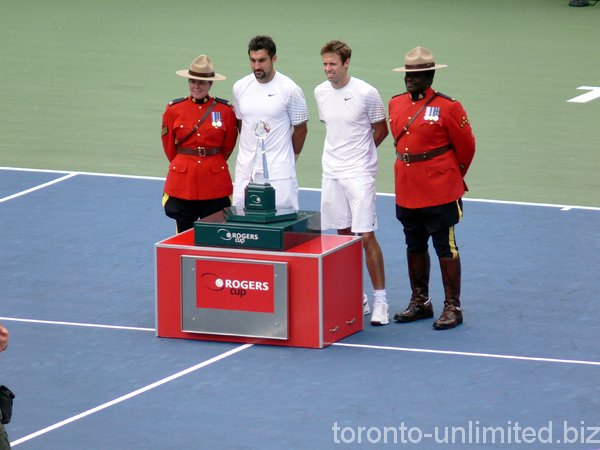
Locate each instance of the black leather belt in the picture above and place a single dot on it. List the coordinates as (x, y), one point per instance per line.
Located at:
(199, 151)
(424, 156)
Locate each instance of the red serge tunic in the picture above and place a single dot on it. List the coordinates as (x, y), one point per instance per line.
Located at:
(443, 122)
(193, 177)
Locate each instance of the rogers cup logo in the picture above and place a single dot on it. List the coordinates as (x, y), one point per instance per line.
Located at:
(255, 199)
(236, 287)
(239, 238)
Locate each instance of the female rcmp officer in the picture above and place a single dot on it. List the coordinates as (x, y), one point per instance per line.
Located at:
(198, 135)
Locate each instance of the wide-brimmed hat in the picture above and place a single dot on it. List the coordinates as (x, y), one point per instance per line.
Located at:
(419, 59)
(201, 69)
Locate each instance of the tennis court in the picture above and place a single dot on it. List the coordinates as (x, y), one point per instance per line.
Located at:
(82, 88)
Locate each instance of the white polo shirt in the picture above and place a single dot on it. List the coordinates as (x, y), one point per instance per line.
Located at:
(281, 104)
(348, 113)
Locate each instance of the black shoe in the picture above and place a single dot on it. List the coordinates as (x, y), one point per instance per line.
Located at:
(451, 317)
(417, 309)
(579, 3)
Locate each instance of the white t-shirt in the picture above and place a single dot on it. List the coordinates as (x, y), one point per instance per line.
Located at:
(281, 104)
(348, 113)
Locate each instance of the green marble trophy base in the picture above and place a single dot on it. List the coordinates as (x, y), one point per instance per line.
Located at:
(218, 231)
(259, 206)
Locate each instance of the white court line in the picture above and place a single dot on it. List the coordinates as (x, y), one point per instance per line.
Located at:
(340, 344)
(75, 324)
(130, 395)
(94, 174)
(382, 194)
(35, 188)
(547, 205)
(479, 355)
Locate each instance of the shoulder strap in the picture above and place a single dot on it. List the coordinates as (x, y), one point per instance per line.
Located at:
(177, 100)
(223, 101)
(414, 117)
(452, 99)
(202, 119)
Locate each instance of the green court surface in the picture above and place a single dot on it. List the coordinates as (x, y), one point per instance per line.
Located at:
(83, 83)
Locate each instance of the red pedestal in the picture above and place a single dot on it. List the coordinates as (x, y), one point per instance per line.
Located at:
(324, 288)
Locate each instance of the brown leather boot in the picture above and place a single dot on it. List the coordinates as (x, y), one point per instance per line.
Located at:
(452, 314)
(420, 303)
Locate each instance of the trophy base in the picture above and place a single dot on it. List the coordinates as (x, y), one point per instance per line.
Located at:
(216, 231)
(233, 214)
(259, 197)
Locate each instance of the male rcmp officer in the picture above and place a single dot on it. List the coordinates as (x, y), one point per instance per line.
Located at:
(434, 148)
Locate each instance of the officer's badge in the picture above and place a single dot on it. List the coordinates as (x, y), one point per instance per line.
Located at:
(216, 119)
(164, 131)
(432, 113)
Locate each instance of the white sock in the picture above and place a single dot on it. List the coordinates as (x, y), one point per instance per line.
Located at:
(380, 296)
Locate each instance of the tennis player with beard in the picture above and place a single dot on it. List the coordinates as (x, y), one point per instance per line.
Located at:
(269, 96)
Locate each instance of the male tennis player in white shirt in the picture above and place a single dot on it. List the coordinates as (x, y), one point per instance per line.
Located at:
(355, 120)
(269, 96)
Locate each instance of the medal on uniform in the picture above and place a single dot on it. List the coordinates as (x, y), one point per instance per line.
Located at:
(432, 113)
(216, 119)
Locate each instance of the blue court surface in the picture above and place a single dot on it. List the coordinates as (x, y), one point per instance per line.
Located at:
(77, 294)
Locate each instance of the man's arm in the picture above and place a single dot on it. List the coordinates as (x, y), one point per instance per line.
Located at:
(461, 137)
(298, 138)
(380, 132)
(3, 338)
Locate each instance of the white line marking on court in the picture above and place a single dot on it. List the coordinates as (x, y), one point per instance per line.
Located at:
(340, 344)
(76, 324)
(93, 174)
(479, 355)
(35, 188)
(588, 96)
(131, 394)
(547, 205)
(509, 202)
(382, 194)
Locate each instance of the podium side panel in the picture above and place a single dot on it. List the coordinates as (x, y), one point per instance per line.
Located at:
(342, 293)
(168, 292)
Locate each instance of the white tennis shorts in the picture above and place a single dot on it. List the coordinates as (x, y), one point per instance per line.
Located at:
(349, 203)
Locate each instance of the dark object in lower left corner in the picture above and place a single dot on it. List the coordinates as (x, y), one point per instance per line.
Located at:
(6, 404)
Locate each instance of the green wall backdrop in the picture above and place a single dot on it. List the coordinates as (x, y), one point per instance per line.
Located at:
(83, 83)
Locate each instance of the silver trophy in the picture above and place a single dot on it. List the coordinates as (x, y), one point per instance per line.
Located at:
(259, 198)
(261, 129)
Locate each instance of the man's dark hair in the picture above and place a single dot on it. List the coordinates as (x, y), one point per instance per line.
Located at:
(262, 43)
(339, 48)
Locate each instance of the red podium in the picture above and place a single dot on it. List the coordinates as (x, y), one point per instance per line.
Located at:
(309, 295)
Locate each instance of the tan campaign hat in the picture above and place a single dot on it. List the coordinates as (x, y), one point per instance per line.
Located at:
(419, 59)
(201, 69)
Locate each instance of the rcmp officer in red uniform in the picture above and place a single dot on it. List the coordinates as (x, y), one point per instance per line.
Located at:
(198, 135)
(434, 147)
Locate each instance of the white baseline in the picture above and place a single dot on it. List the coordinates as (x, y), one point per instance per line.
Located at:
(383, 194)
